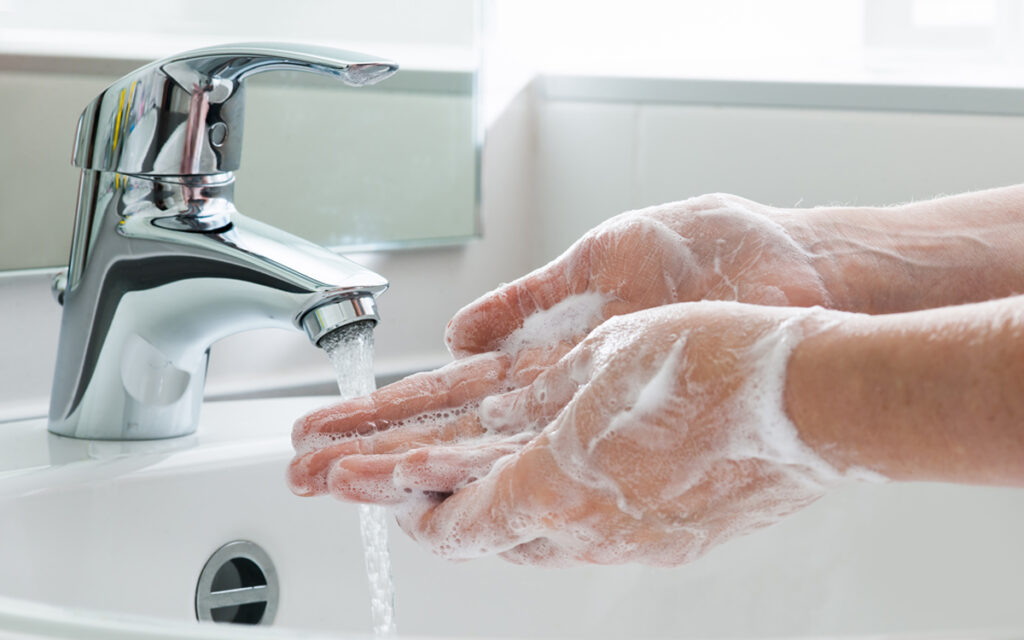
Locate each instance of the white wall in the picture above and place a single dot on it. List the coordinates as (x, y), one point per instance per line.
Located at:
(599, 158)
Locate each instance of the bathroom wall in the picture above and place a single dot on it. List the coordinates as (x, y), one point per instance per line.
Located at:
(598, 156)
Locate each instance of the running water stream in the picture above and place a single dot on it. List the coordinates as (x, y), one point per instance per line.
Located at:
(350, 350)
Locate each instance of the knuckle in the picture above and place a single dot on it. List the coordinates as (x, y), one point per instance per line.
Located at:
(715, 200)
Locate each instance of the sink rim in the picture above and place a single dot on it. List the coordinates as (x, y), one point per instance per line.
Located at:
(33, 458)
(31, 618)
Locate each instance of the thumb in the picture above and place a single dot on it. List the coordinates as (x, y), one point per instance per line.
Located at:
(532, 407)
(485, 323)
(492, 515)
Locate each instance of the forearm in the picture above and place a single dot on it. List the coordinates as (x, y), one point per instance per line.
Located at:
(952, 250)
(931, 395)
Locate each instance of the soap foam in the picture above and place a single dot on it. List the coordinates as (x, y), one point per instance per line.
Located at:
(759, 470)
(777, 439)
(567, 321)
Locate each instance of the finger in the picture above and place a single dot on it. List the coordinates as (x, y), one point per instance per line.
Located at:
(447, 469)
(450, 387)
(541, 552)
(533, 407)
(483, 324)
(365, 479)
(307, 473)
(492, 515)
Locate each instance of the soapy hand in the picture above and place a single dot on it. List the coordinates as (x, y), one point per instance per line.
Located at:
(657, 437)
(597, 413)
(714, 247)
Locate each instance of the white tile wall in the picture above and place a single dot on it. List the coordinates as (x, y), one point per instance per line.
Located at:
(602, 158)
(586, 163)
(789, 156)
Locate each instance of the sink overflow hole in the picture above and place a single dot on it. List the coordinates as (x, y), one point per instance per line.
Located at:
(238, 585)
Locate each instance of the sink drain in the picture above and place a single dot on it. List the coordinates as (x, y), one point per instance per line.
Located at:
(238, 585)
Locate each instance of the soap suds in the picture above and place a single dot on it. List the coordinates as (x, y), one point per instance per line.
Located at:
(651, 398)
(567, 321)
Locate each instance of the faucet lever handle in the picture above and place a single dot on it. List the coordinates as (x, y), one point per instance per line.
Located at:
(183, 115)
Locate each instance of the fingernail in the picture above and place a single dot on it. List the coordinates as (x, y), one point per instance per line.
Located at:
(301, 482)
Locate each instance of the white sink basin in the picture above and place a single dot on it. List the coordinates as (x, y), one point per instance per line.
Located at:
(125, 529)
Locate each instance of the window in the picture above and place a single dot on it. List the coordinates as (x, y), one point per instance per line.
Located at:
(958, 42)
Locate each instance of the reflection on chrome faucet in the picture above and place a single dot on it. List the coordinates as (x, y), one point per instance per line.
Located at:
(163, 265)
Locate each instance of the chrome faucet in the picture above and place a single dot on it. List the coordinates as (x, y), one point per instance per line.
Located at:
(162, 264)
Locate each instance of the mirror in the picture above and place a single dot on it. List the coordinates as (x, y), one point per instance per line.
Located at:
(387, 166)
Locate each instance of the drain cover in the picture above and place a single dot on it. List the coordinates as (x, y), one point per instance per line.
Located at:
(238, 585)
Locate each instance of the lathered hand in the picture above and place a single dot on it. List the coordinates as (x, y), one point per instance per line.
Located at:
(715, 247)
(923, 255)
(660, 435)
(591, 418)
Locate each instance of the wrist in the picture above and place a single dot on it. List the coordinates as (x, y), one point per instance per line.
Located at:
(818, 389)
(789, 432)
(931, 395)
(947, 251)
(853, 252)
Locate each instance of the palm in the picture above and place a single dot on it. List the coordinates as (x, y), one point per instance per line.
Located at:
(710, 248)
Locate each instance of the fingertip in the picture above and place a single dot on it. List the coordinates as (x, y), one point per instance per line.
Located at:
(353, 416)
(301, 482)
(480, 326)
(410, 513)
(486, 322)
(540, 552)
(453, 339)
